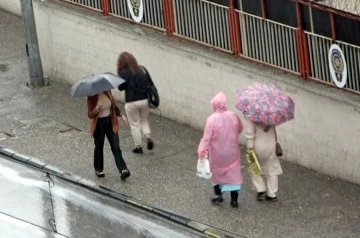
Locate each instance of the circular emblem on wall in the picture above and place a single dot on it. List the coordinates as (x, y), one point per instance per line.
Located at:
(136, 8)
(337, 65)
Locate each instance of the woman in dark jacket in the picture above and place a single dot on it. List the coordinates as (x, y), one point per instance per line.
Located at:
(136, 99)
(104, 122)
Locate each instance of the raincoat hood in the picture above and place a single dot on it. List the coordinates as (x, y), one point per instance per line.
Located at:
(219, 103)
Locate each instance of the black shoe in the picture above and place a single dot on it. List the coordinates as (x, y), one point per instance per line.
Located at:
(100, 174)
(149, 143)
(217, 200)
(138, 150)
(234, 204)
(270, 199)
(124, 174)
(261, 196)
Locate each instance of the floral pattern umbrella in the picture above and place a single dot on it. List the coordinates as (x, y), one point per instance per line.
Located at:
(265, 104)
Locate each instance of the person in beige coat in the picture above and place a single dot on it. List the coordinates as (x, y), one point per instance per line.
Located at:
(263, 141)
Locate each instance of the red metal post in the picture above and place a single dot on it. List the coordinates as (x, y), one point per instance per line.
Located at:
(306, 56)
(168, 14)
(263, 9)
(332, 22)
(301, 41)
(105, 6)
(234, 29)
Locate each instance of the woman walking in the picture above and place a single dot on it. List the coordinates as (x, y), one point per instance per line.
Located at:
(103, 122)
(262, 139)
(220, 144)
(136, 100)
(265, 106)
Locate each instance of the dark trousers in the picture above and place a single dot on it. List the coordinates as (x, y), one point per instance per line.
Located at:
(104, 127)
(234, 194)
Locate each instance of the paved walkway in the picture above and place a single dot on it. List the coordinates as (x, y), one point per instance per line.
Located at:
(47, 124)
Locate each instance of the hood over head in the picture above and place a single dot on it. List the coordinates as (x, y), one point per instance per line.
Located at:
(219, 103)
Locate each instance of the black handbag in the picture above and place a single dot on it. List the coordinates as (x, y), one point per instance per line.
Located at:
(153, 96)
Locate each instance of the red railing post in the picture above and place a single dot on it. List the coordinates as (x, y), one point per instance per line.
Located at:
(234, 29)
(302, 48)
(263, 9)
(332, 22)
(105, 6)
(168, 14)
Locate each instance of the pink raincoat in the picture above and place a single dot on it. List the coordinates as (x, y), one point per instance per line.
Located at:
(220, 142)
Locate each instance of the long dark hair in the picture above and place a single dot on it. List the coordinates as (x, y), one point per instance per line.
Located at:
(127, 60)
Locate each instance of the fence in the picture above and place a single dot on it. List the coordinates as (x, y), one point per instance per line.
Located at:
(204, 22)
(296, 39)
(92, 4)
(269, 42)
(153, 12)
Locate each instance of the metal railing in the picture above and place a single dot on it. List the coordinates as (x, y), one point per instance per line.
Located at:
(269, 42)
(93, 4)
(153, 12)
(203, 21)
(319, 46)
(241, 33)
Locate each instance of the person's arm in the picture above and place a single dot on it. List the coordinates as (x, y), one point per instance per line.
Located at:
(126, 75)
(250, 135)
(206, 140)
(116, 108)
(93, 108)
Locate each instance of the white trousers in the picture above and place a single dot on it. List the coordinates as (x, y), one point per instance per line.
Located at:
(270, 186)
(137, 113)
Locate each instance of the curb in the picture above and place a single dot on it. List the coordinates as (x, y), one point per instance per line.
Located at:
(205, 229)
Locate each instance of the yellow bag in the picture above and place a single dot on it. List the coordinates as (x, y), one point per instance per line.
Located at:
(253, 162)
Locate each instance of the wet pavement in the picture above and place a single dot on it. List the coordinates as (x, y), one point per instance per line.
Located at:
(47, 124)
(31, 201)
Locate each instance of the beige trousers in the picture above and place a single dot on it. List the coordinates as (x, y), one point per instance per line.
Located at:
(137, 113)
(271, 185)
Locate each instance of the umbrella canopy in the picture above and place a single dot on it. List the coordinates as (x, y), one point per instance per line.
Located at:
(96, 84)
(265, 104)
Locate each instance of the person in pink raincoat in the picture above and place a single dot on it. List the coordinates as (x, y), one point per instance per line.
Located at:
(220, 144)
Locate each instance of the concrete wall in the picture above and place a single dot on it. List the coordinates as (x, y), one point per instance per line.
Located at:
(12, 6)
(352, 6)
(76, 42)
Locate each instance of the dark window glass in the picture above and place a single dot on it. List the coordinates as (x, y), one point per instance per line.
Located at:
(305, 16)
(252, 7)
(321, 20)
(347, 29)
(221, 2)
(282, 11)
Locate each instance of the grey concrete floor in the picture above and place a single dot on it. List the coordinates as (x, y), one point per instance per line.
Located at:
(42, 123)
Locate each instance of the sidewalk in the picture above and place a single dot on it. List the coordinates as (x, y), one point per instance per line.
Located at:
(47, 124)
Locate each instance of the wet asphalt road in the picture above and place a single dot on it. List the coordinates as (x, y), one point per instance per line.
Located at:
(30, 201)
(41, 123)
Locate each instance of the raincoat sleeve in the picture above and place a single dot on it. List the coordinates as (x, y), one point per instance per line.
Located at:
(250, 135)
(240, 125)
(206, 139)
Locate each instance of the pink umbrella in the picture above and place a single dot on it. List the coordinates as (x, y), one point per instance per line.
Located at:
(265, 104)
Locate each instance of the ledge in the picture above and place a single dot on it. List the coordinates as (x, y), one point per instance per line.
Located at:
(91, 185)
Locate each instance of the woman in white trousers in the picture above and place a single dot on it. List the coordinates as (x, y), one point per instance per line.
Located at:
(136, 99)
(263, 141)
